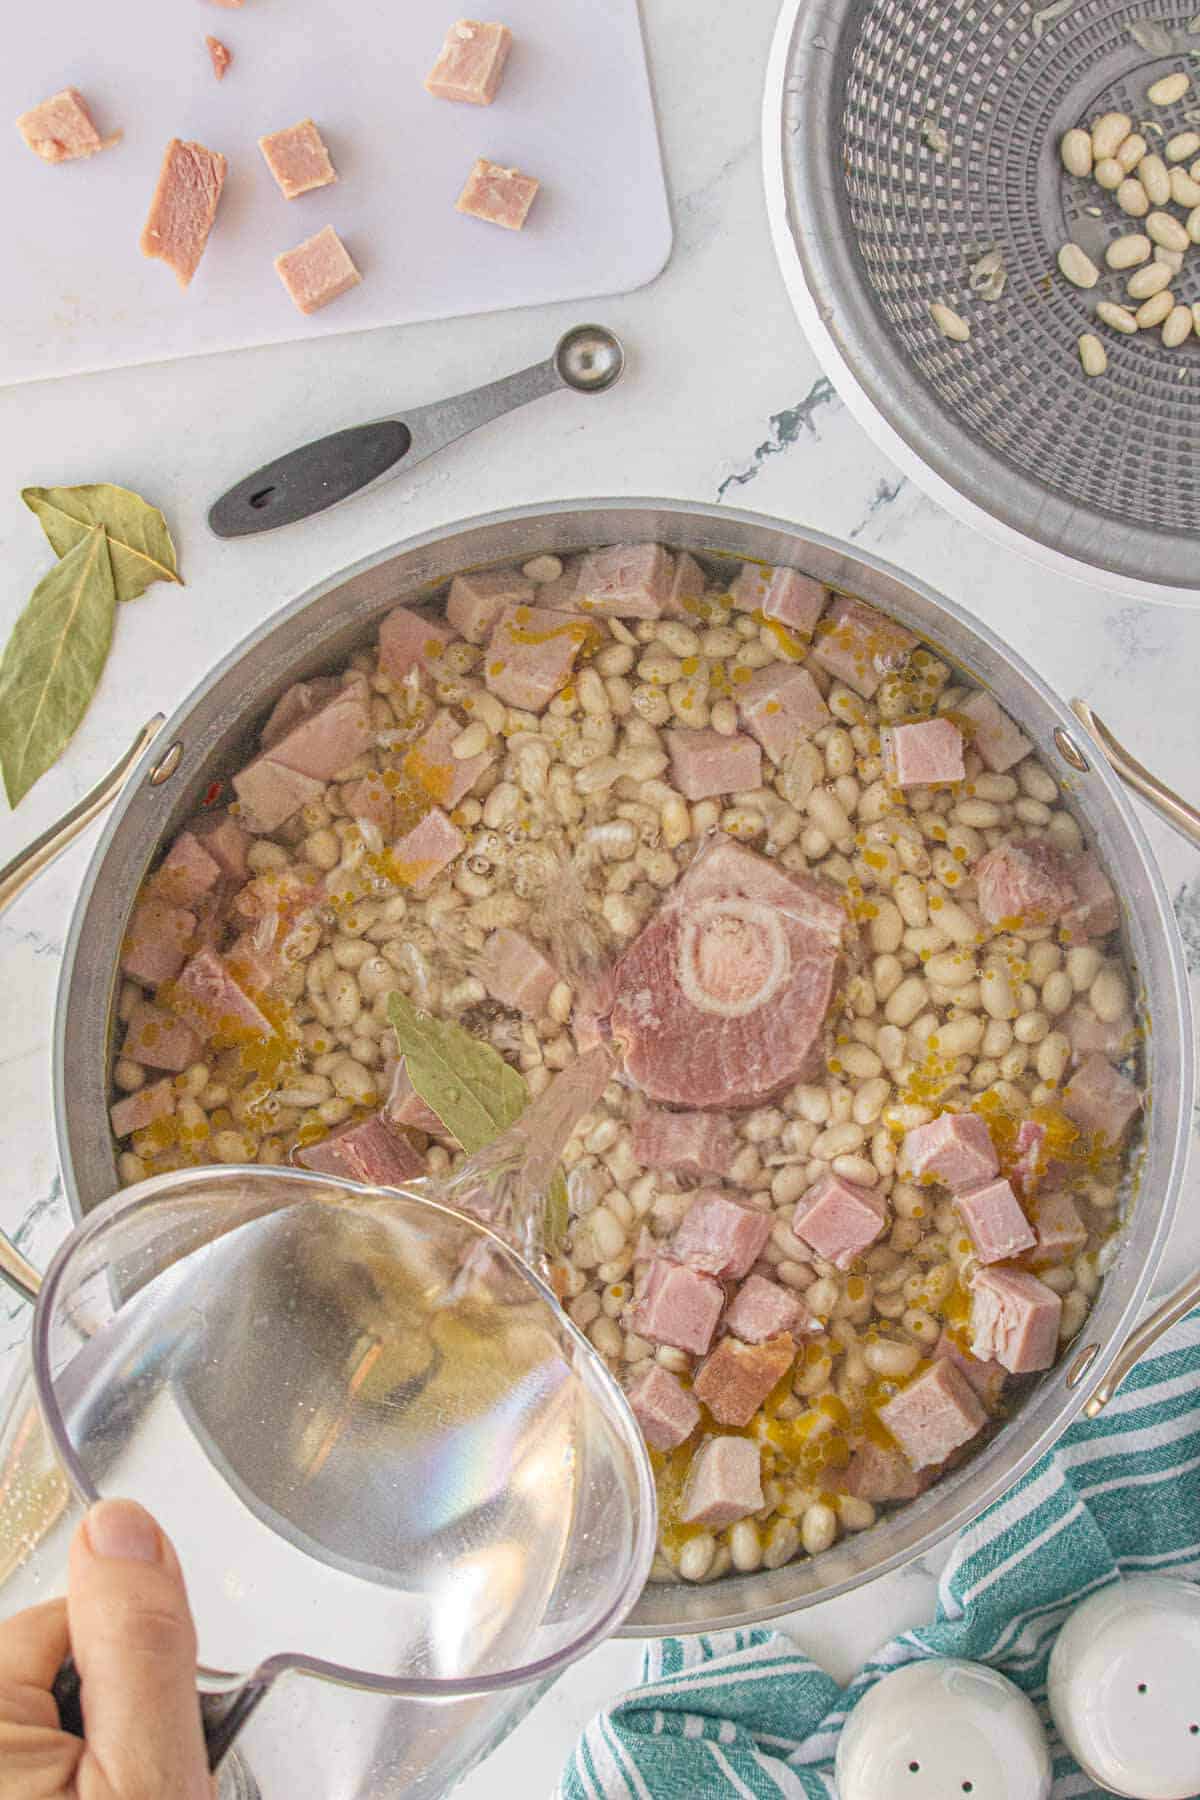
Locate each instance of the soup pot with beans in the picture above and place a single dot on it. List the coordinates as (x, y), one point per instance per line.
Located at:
(893, 993)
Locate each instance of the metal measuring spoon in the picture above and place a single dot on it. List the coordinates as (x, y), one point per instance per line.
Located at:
(589, 359)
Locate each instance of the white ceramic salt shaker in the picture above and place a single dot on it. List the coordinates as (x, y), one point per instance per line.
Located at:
(937, 1729)
(1124, 1687)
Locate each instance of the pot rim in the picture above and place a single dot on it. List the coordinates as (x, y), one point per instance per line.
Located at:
(1171, 1031)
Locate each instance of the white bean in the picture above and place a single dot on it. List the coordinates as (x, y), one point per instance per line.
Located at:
(1147, 281)
(1132, 198)
(907, 1001)
(696, 1557)
(1109, 132)
(1083, 966)
(1076, 150)
(1161, 228)
(1108, 996)
(1052, 1056)
(1152, 173)
(818, 1528)
(1078, 266)
(1167, 89)
(1184, 191)
(952, 325)
(1177, 326)
(745, 1546)
(1110, 171)
(1127, 251)
(1118, 317)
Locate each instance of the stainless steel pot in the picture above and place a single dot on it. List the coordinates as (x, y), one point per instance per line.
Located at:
(213, 732)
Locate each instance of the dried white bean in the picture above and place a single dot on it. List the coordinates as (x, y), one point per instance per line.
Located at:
(1076, 150)
(1154, 311)
(1184, 191)
(1109, 132)
(1150, 280)
(1118, 317)
(1078, 266)
(1152, 173)
(1132, 198)
(1126, 252)
(1177, 326)
(1110, 172)
(1131, 152)
(1168, 89)
(951, 324)
(1161, 228)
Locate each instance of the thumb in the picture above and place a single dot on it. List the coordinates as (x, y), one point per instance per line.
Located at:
(135, 1648)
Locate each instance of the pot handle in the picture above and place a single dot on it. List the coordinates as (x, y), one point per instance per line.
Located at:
(1170, 806)
(1173, 1308)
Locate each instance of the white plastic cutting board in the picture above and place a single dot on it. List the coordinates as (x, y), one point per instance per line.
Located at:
(575, 109)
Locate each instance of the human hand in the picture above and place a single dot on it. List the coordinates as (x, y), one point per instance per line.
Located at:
(127, 1623)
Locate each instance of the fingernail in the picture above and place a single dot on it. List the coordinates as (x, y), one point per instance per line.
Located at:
(124, 1531)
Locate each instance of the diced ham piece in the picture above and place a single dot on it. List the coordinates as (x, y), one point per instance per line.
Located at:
(407, 640)
(1100, 1100)
(687, 589)
(148, 1105)
(298, 159)
(207, 996)
(476, 601)
(220, 55)
(531, 653)
(987, 1378)
(692, 1143)
(186, 873)
(720, 1236)
(781, 707)
(993, 733)
(1096, 911)
(735, 1379)
(497, 195)
(796, 600)
(679, 1306)
(1014, 1320)
(157, 1038)
(1060, 1230)
(294, 705)
(934, 1415)
(432, 764)
(317, 271)
(418, 858)
(369, 1152)
(879, 1475)
(646, 1248)
(704, 763)
(253, 965)
(724, 1483)
(369, 799)
(955, 1149)
(1029, 1156)
(1025, 881)
(761, 1309)
(225, 842)
(1087, 1035)
(470, 63)
(923, 754)
(628, 581)
(515, 972)
(839, 1219)
(157, 942)
(996, 1222)
(62, 129)
(859, 646)
(269, 793)
(722, 999)
(663, 1408)
(184, 207)
(404, 1106)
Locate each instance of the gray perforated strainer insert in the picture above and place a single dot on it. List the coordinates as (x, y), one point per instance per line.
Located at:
(1104, 470)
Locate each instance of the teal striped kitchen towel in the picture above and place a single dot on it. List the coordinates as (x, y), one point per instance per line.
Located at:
(743, 1715)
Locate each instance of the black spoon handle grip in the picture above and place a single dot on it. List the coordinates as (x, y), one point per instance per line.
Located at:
(307, 480)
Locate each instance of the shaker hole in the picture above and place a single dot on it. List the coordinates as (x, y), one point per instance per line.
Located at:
(1142, 1689)
(914, 1768)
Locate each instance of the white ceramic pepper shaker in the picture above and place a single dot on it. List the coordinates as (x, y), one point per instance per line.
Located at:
(1124, 1687)
(937, 1729)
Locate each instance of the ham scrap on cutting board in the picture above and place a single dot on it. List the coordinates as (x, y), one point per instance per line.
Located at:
(574, 109)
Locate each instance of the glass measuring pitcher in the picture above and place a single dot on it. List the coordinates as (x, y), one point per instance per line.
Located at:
(385, 1456)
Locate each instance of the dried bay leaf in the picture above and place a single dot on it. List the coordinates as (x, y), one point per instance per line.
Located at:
(139, 543)
(54, 660)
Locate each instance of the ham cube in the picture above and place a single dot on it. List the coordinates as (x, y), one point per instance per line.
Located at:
(1097, 910)
(996, 1222)
(317, 271)
(144, 1108)
(646, 1248)
(628, 581)
(62, 129)
(704, 763)
(531, 654)
(220, 56)
(432, 764)
(724, 1483)
(761, 1309)
(663, 1408)
(206, 995)
(409, 640)
(186, 873)
(252, 965)
(686, 598)
(294, 705)
(679, 1306)
(1024, 881)
(993, 733)
(475, 602)
(497, 195)
(1100, 1100)
(839, 1219)
(515, 972)
(1029, 1156)
(934, 1415)
(369, 1152)
(183, 207)
(955, 1149)
(369, 802)
(1111, 1038)
(736, 1378)
(405, 1107)
(1060, 1230)
(781, 707)
(418, 858)
(225, 842)
(719, 1236)
(692, 1143)
(470, 63)
(157, 941)
(923, 754)
(298, 159)
(858, 646)
(157, 1038)
(796, 600)
(986, 1378)
(877, 1474)
(1014, 1320)
(269, 793)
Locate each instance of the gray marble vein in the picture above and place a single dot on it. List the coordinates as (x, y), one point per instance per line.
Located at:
(786, 428)
(886, 491)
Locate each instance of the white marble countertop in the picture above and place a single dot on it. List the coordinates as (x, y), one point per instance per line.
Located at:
(723, 401)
